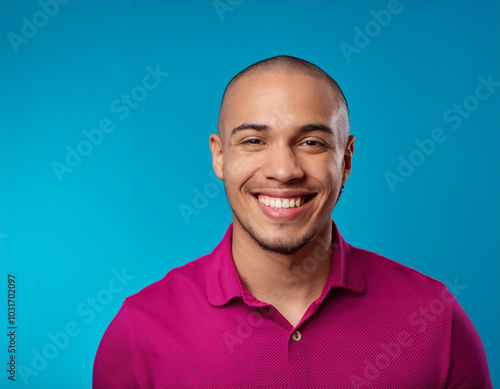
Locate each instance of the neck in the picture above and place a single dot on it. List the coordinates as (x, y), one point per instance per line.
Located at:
(283, 280)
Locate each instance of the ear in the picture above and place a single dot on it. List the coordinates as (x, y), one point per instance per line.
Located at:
(217, 155)
(349, 150)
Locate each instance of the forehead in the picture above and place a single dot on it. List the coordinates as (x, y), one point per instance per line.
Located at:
(280, 97)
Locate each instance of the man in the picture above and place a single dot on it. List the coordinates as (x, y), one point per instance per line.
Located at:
(283, 301)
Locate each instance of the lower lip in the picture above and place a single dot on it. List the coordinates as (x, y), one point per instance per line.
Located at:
(284, 214)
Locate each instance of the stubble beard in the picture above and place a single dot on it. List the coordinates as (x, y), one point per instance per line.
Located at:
(290, 247)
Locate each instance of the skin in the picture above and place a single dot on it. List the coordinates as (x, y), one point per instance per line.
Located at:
(269, 251)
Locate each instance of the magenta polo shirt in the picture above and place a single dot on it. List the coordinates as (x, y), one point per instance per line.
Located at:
(377, 324)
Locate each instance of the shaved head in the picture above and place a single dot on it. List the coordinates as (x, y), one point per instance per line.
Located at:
(285, 63)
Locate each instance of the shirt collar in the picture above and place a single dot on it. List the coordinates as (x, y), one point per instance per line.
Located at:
(223, 282)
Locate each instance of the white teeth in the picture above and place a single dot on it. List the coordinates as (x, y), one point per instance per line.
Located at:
(281, 203)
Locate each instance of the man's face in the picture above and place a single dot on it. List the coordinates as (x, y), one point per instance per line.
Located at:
(282, 157)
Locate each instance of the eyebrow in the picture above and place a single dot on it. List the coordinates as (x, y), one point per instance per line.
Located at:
(264, 128)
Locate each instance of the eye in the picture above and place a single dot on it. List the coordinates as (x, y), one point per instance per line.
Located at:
(252, 141)
(313, 143)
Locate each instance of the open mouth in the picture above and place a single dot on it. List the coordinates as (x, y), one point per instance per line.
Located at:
(280, 203)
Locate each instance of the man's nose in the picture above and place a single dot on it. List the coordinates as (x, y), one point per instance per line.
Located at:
(282, 164)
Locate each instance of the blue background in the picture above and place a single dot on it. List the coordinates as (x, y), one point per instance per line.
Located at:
(119, 208)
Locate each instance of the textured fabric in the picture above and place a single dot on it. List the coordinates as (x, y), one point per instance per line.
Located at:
(377, 324)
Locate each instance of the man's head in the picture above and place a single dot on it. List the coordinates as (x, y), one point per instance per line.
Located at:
(283, 150)
(285, 63)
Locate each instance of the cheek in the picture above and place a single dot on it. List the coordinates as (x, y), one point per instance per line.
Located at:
(327, 171)
(329, 177)
(237, 171)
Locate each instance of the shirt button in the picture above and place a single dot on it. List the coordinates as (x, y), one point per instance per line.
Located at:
(296, 335)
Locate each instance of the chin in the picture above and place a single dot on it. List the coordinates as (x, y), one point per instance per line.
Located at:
(281, 242)
(280, 246)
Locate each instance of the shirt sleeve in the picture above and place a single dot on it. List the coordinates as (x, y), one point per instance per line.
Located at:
(114, 362)
(468, 365)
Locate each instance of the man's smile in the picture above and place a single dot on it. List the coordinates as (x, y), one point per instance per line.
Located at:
(284, 200)
(283, 205)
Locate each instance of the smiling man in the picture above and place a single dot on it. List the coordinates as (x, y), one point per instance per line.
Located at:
(284, 301)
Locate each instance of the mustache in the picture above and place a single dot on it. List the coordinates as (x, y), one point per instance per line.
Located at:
(306, 188)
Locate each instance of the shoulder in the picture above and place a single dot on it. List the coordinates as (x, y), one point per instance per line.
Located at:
(179, 284)
(384, 274)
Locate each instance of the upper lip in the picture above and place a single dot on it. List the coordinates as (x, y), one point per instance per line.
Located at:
(282, 193)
